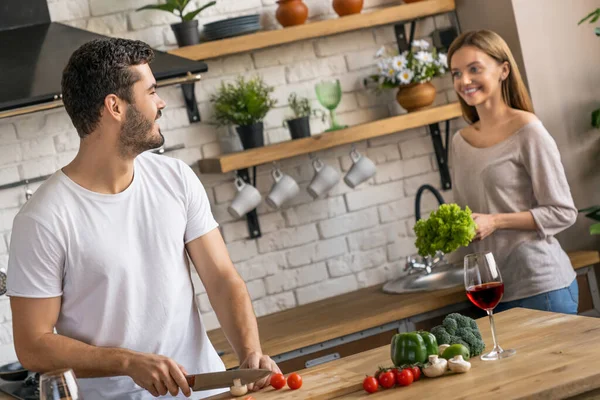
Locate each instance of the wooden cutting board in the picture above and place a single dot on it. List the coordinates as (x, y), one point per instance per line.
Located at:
(318, 383)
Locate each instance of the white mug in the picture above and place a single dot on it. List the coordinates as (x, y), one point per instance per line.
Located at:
(284, 189)
(246, 199)
(325, 178)
(362, 169)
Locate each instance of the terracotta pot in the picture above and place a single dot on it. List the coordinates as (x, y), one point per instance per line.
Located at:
(416, 96)
(291, 12)
(347, 7)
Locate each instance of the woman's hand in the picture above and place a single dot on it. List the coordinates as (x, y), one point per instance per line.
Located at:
(486, 225)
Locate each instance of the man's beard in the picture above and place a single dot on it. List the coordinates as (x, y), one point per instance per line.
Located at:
(136, 133)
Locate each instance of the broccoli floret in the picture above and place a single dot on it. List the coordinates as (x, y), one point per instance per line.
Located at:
(441, 335)
(460, 329)
(450, 325)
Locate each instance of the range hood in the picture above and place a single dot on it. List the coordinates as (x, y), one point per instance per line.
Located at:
(34, 51)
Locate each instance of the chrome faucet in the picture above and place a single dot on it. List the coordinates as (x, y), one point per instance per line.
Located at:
(427, 263)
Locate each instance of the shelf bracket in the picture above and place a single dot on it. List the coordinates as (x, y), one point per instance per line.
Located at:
(400, 32)
(252, 216)
(189, 96)
(441, 153)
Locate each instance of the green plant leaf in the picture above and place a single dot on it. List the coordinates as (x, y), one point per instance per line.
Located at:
(191, 15)
(596, 118)
(595, 229)
(594, 15)
(170, 7)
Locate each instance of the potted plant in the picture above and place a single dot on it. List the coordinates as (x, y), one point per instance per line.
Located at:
(300, 125)
(593, 213)
(244, 104)
(186, 31)
(411, 72)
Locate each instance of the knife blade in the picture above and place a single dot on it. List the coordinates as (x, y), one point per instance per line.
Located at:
(216, 380)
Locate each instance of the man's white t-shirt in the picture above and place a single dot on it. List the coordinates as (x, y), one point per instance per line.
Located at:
(120, 265)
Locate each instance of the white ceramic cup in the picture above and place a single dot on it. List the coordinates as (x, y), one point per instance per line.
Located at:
(246, 199)
(284, 189)
(362, 169)
(325, 178)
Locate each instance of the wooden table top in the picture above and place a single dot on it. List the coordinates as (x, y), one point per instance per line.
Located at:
(329, 318)
(558, 356)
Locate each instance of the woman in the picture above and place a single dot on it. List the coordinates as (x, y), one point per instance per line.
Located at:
(507, 169)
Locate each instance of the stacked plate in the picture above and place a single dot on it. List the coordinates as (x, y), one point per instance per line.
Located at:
(232, 27)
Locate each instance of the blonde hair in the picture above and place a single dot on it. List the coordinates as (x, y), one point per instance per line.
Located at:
(514, 92)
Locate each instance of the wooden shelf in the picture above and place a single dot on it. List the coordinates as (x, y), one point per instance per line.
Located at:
(357, 133)
(259, 40)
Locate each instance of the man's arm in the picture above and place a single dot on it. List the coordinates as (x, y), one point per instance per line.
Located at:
(40, 350)
(229, 298)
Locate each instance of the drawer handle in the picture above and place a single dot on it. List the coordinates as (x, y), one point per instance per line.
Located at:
(322, 360)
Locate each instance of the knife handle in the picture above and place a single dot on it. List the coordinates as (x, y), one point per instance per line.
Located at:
(191, 380)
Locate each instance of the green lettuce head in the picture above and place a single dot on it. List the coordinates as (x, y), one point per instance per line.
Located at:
(447, 229)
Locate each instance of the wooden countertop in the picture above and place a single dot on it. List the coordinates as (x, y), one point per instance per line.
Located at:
(558, 356)
(330, 318)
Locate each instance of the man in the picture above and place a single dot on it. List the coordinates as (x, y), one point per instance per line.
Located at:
(100, 251)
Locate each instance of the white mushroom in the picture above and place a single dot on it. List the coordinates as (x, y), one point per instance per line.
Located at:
(238, 389)
(458, 364)
(436, 366)
(442, 347)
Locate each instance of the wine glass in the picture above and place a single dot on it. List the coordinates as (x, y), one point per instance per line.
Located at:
(329, 94)
(485, 289)
(59, 385)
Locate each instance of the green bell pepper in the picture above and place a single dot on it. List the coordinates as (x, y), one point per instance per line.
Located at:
(412, 348)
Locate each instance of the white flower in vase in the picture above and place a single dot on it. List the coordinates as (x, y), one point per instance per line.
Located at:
(399, 63)
(443, 60)
(424, 56)
(405, 76)
(422, 44)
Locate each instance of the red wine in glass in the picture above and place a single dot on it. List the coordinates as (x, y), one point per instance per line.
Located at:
(485, 288)
(486, 296)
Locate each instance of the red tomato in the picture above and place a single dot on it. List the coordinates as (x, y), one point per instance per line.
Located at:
(370, 384)
(294, 381)
(404, 377)
(416, 373)
(387, 379)
(277, 381)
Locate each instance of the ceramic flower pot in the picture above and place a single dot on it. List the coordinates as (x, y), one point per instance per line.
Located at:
(347, 7)
(186, 33)
(291, 12)
(251, 135)
(299, 127)
(416, 96)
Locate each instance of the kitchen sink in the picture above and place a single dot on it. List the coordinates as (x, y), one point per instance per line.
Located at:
(442, 276)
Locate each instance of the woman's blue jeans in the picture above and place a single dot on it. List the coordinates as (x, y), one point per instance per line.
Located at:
(564, 301)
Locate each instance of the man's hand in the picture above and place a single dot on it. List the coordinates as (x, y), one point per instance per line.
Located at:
(158, 374)
(486, 225)
(256, 360)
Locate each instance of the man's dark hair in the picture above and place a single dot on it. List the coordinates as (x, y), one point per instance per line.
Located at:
(95, 70)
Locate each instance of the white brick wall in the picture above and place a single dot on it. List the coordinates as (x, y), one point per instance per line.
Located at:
(310, 249)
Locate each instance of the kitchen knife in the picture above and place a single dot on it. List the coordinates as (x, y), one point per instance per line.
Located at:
(216, 380)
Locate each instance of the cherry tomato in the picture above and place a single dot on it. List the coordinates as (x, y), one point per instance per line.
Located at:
(387, 379)
(404, 377)
(416, 373)
(370, 384)
(294, 381)
(277, 381)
